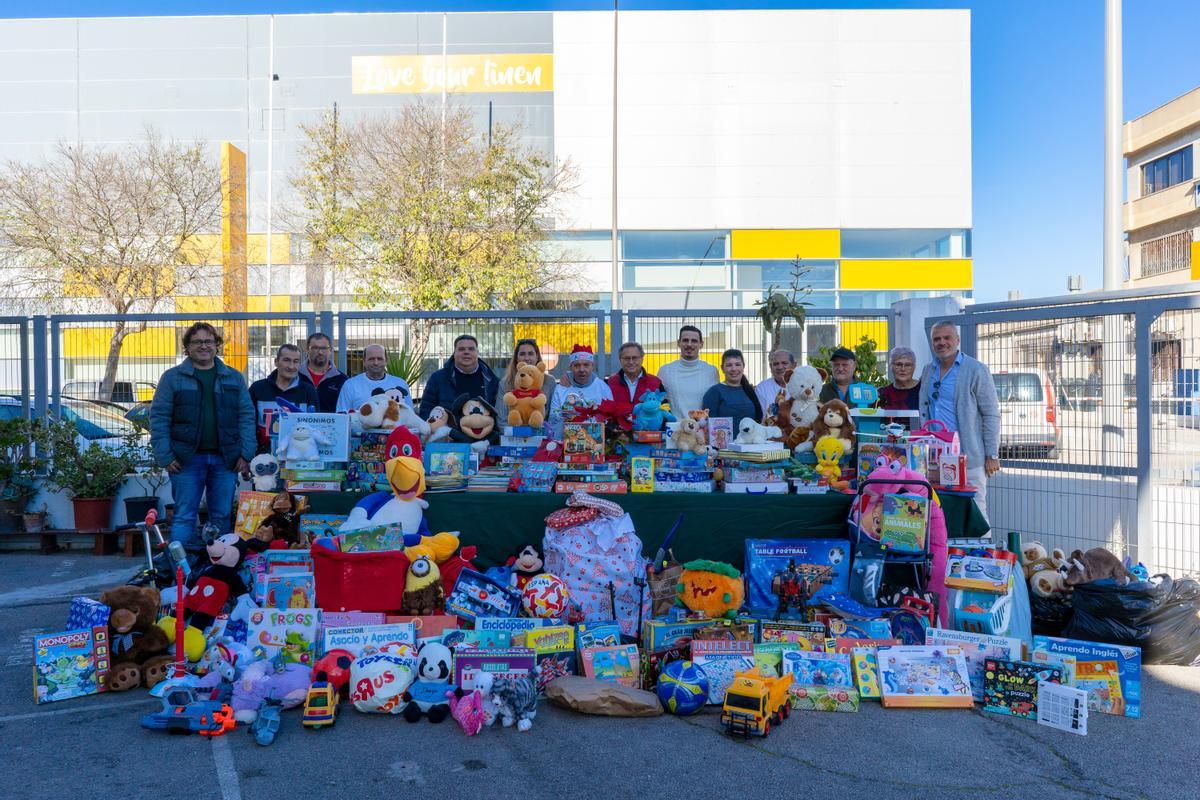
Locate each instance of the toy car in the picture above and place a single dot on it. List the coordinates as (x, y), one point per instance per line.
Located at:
(320, 707)
(183, 713)
(266, 725)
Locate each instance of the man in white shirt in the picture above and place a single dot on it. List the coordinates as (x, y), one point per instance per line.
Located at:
(372, 381)
(780, 362)
(585, 389)
(687, 378)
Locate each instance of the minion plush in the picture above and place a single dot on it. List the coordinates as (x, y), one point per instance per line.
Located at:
(423, 592)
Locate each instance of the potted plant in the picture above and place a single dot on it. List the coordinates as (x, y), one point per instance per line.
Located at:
(88, 472)
(35, 521)
(19, 469)
(149, 476)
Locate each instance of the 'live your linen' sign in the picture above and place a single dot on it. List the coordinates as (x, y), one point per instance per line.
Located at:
(495, 72)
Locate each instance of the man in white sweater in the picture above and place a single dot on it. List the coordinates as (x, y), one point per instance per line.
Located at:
(687, 378)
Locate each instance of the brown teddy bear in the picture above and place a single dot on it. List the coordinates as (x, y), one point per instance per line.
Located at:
(139, 646)
(688, 436)
(526, 403)
(833, 419)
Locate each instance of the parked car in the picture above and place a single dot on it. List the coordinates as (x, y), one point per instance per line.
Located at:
(100, 423)
(1028, 414)
(124, 393)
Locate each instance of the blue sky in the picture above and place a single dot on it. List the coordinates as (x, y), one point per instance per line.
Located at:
(1037, 107)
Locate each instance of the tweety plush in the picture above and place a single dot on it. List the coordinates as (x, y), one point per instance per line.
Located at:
(829, 451)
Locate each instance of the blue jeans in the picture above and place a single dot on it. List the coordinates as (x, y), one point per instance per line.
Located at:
(203, 471)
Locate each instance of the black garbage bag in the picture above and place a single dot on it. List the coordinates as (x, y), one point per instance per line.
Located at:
(1161, 616)
(1051, 615)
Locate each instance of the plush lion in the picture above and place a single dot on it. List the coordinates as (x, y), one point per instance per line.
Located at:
(526, 403)
(139, 647)
(833, 419)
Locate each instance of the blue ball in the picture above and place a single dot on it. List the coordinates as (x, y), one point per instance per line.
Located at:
(682, 688)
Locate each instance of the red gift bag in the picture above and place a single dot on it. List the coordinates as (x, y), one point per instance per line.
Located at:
(359, 581)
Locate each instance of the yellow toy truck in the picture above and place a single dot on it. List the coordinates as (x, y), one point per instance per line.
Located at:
(754, 703)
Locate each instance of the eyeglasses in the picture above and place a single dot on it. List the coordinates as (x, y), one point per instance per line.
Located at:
(312, 347)
(203, 343)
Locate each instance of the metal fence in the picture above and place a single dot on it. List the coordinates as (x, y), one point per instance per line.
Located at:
(1100, 422)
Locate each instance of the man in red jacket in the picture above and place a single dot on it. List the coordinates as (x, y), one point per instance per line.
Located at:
(632, 381)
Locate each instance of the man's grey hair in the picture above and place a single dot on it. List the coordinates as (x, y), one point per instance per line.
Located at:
(944, 323)
(791, 356)
(901, 352)
(641, 350)
(368, 347)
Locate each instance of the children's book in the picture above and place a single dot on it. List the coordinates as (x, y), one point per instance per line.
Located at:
(606, 633)
(976, 648)
(641, 475)
(476, 595)
(818, 669)
(619, 664)
(429, 628)
(1011, 687)
(905, 521)
(328, 434)
(448, 460)
(286, 590)
(805, 635)
(253, 508)
(514, 626)
(379, 538)
(1110, 674)
(977, 573)
(70, 664)
(287, 637)
(515, 662)
(1062, 707)
(583, 442)
(550, 639)
(721, 661)
(720, 432)
(770, 655)
(924, 676)
(342, 619)
(399, 638)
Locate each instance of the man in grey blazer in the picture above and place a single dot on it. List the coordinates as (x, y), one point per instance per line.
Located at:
(959, 391)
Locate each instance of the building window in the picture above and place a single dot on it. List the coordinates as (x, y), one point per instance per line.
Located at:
(673, 245)
(906, 243)
(1167, 171)
(1167, 254)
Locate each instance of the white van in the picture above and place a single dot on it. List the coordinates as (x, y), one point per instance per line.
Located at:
(1028, 414)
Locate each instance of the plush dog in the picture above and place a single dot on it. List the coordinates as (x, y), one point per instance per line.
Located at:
(752, 432)
(687, 436)
(833, 419)
(526, 403)
(1096, 565)
(379, 413)
(440, 425)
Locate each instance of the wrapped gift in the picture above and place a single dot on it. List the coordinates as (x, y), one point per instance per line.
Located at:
(87, 613)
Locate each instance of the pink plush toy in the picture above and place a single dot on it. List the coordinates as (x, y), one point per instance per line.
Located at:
(468, 710)
(873, 495)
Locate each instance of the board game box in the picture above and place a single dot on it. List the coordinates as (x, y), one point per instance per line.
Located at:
(818, 669)
(825, 563)
(1011, 687)
(399, 637)
(721, 661)
(1110, 674)
(513, 662)
(288, 637)
(476, 595)
(619, 664)
(924, 676)
(70, 664)
(976, 648)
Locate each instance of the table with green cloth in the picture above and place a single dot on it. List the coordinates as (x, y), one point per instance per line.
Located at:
(715, 526)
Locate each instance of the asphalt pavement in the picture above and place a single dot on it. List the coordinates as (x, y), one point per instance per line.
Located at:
(93, 747)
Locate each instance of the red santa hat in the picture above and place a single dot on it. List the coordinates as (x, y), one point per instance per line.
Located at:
(582, 352)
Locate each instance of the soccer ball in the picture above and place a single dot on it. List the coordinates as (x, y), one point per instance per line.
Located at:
(545, 596)
(682, 688)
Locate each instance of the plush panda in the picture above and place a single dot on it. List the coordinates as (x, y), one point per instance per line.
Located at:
(427, 695)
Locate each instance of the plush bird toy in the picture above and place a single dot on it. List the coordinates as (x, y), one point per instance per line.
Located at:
(402, 506)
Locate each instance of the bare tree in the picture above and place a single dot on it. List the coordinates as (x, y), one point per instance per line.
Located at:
(110, 229)
(428, 213)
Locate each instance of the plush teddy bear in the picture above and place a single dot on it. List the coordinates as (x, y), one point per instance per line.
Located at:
(797, 435)
(1096, 565)
(1048, 583)
(1034, 558)
(804, 389)
(526, 403)
(139, 647)
(833, 419)
(260, 681)
(687, 436)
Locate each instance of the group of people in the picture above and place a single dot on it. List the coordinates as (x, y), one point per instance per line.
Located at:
(205, 423)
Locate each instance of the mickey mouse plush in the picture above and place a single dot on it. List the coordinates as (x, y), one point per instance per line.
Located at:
(525, 565)
(476, 423)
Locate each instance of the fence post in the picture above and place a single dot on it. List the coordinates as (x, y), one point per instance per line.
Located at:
(1141, 540)
(55, 368)
(341, 343)
(41, 360)
(325, 322)
(968, 338)
(616, 323)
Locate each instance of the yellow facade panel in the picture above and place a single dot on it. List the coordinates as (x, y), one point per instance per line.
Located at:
(906, 274)
(853, 330)
(92, 343)
(205, 248)
(786, 244)
(211, 304)
(1196, 261)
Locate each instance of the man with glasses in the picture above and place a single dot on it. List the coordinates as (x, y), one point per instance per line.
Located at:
(202, 432)
(629, 383)
(959, 391)
(320, 370)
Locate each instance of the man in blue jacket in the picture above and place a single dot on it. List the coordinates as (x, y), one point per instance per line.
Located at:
(202, 432)
(463, 373)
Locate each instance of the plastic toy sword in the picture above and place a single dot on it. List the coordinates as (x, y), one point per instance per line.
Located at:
(180, 659)
(660, 558)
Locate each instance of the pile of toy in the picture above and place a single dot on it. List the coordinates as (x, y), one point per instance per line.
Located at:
(410, 626)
